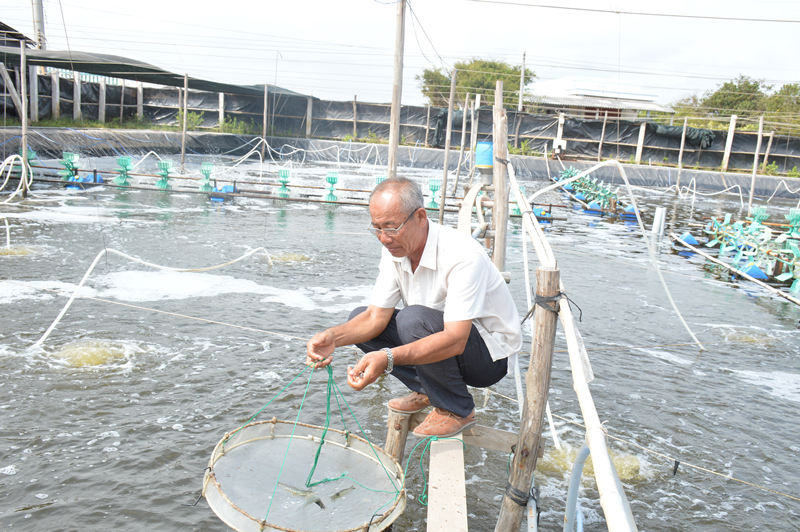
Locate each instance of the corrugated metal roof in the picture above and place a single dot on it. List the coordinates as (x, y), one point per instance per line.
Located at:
(602, 103)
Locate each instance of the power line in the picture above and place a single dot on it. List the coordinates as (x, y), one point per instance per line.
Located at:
(635, 13)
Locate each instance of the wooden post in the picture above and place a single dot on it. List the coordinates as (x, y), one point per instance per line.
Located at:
(640, 143)
(355, 117)
(500, 153)
(309, 110)
(602, 136)
(559, 132)
(34, 93)
(221, 118)
(463, 138)
(139, 100)
(397, 434)
(76, 96)
(397, 88)
(680, 155)
(447, 142)
(516, 132)
(24, 119)
(185, 112)
(264, 132)
(728, 144)
(55, 95)
(473, 140)
(521, 87)
(11, 90)
(755, 161)
(766, 155)
(101, 102)
(428, 127)
(537, 383)
(121, 101)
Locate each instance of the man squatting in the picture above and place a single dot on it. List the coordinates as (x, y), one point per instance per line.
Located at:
(458, 324)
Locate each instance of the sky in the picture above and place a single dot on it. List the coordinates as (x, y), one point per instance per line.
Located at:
(340, 50)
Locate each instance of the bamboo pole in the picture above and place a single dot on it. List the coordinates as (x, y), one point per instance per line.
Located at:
(264, 130)
(521, 86)
(55, 95)
(76, 96)
(602, 136)
(766, 155)
(185, 112)
(34, 93)
(447, 142)
(309, 112)
(728, 144)
(221, 117)
(355, 117)
(680, 156)
(397, 88)
(121, 102)
(428, 126)
(139, 100)
(775, 291)
(500, 154)
(640, 143)
(473, 139)
(755, 161)
(101, 102)
(11, 90)
(537, 383)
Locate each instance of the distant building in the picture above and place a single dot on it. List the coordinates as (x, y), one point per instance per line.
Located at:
(11, 37)
(591, 99)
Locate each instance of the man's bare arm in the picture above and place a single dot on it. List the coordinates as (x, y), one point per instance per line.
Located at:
(361, 328)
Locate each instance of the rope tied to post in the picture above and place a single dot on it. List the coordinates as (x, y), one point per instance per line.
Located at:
(543, 301)
(519, 497)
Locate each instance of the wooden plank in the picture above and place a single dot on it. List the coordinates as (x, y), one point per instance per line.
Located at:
(640, 144)
(490, 438)
(447, 489)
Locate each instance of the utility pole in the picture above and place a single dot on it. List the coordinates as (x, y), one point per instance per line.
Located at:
(38, 23)
(397, 88)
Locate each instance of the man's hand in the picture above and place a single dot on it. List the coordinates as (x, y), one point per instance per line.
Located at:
(319, 350)
(367, 370)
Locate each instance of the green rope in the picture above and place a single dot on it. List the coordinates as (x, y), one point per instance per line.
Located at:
(423, 497)
(286, 454)
(266, 405)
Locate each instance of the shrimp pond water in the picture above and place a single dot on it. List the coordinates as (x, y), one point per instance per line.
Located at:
(110, 424)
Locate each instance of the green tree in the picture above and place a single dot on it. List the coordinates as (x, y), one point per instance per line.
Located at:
(476, 76)
(743, 96)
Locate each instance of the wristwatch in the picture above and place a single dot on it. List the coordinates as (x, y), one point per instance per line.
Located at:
(389, 360)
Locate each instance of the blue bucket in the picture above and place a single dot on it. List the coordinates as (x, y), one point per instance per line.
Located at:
(484, 155)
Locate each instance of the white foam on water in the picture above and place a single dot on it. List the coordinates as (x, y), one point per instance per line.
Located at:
(780, 384)
(37, 290)
(668, 357)
(10, 470)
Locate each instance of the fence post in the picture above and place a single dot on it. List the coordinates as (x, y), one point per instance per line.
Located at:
(76, 96)
(680, 156)
(537, 380)
(101, 101)
(355, 117)
(221, 110)
(499, 153)
(640, 143)
(447, 142)
(428, 126)
(728, 144)
(602, 136)
(55, 95)
(185, 113)
(34, 92)
(139, 100)
(755, 161)
(309, 109)
(121, 101)
(766, 155)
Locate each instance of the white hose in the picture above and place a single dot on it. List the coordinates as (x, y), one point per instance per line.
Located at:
(140, 261)
(25, 182)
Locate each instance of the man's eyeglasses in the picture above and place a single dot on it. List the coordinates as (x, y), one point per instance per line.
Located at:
(391, 232)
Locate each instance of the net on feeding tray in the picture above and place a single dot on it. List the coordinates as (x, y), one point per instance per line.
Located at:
(291, 476)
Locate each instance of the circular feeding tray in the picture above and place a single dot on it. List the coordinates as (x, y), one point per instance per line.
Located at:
(256, 480)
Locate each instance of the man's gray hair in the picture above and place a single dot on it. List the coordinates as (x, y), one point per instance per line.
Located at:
(409, 193)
